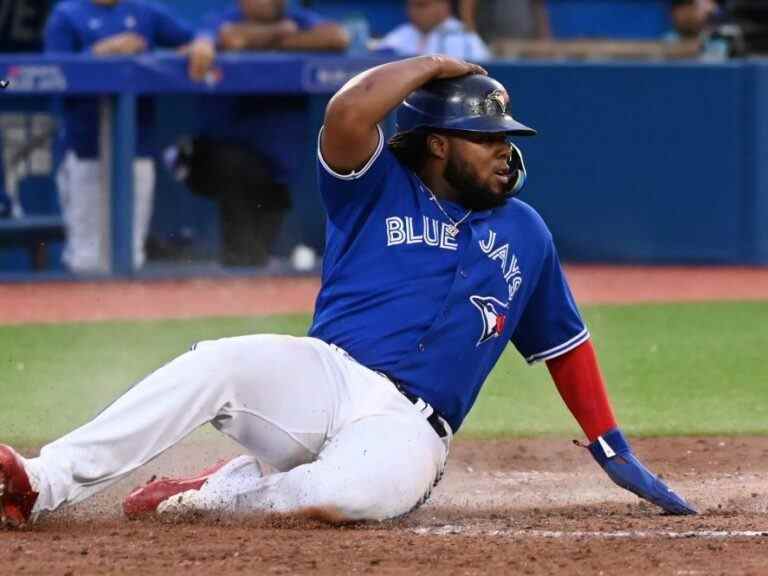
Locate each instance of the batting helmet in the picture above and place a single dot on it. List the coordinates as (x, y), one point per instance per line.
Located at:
(473, 103)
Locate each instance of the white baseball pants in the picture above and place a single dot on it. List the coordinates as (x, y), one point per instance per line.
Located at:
(344, 441)
(85, 211)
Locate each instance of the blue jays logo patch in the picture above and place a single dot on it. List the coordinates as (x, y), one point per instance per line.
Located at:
(492, 316)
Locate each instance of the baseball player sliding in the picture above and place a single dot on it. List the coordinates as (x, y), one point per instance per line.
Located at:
(431, 268)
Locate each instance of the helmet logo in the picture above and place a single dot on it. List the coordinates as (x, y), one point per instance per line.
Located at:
(496, 103)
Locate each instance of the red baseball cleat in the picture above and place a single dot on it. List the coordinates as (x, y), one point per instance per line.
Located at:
(145, 499)
(16, 495)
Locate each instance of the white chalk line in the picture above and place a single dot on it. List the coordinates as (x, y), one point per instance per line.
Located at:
(621, 534)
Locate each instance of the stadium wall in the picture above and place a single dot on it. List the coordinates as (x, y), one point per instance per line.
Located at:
(657, 163)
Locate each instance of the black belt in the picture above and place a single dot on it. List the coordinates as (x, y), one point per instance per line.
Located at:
(435, 420)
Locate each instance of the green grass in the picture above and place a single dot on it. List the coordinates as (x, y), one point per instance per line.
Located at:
(671, 369)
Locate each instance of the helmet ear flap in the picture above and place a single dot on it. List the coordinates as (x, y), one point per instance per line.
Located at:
(517, 171)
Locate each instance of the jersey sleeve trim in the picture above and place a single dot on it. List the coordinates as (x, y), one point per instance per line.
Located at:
(352, 175)
(559, 350)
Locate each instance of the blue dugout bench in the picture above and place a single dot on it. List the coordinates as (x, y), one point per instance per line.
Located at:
(634, 162)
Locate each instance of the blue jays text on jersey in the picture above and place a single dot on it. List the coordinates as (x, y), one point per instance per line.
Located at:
(405, 295)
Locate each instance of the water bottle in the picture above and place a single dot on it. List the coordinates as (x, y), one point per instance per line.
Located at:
(714, 49)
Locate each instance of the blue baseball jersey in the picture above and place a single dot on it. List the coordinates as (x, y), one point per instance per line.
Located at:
(432, 310)
(75, 26)
(270, 126)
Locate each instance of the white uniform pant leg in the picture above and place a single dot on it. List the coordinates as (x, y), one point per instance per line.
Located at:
(277, 395)
(374, 469)
(79, 184)
(143, 203)
(380, 464)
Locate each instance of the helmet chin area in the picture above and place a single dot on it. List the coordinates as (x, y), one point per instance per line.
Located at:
(517, 171)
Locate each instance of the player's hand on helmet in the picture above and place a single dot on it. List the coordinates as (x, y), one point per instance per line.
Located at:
(125, 43)
(453, 67)
(613, 453)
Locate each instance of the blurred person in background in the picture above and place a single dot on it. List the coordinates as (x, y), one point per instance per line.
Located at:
(749, 19)
(433, 28)
(506, 19)
(741, 26)
(726, 28)
(247, 153)
(22, 23)
(107, 28)
(272, 25)
(692, 18)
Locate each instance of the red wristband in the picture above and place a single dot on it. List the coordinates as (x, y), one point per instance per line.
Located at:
(577, 377)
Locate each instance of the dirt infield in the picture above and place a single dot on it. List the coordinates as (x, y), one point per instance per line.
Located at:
(518, 506)
(505, 507)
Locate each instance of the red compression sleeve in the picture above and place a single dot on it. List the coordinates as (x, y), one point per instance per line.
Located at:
(578, 379)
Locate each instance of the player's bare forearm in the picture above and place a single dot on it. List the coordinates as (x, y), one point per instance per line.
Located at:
(330, 37)
(371, 95)
(353, 113)
(125, 43)
(468, 13)
(541, 17)
(247, 36)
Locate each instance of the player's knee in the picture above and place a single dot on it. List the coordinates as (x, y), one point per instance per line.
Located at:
(351, 504)
(361, 504)
(309, 492)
